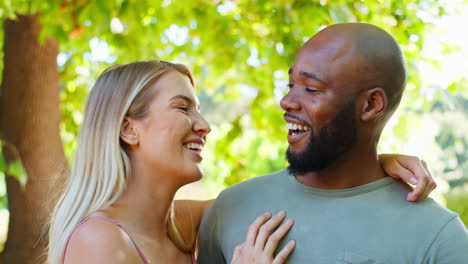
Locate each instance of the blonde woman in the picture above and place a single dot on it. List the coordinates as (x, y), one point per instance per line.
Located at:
(140, 141)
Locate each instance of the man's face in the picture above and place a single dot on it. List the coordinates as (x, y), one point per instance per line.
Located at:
(320, 106)
(332, 140)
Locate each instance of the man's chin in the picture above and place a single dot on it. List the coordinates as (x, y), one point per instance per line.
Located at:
(295, 151)
(297, 148)
(300, 164)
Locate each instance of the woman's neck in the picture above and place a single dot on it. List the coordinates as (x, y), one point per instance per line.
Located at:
(145, 205)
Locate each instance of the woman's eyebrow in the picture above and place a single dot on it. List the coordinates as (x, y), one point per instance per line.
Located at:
(183, 97)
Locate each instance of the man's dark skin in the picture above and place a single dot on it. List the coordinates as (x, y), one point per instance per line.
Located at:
(346, 82)
(357, 64)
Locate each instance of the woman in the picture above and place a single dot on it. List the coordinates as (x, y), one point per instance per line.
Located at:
(140, 141)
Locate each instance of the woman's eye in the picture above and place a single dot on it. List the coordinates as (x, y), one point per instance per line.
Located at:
(310, 90)
(185, 109)
(290, 85)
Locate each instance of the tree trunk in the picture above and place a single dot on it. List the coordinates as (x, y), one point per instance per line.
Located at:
(29, 127)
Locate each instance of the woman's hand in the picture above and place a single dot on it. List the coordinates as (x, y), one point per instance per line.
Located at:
(411, 170)
(260, 243)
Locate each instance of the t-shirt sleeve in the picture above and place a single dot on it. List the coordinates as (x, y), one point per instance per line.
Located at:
(209, 251)
(450, 245)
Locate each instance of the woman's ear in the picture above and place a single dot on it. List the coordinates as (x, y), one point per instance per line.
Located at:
(128, 132)
(375, 103)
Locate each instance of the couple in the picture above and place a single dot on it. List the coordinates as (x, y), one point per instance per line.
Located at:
(142, 137)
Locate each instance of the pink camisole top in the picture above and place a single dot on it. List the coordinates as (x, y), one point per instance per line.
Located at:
(143, 258)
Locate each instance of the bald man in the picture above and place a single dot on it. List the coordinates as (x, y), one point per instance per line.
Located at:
(345, 83)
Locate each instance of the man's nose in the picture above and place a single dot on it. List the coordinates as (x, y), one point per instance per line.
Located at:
(290, 102)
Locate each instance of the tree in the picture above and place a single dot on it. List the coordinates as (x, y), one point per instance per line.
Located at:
(30, 119)
(240, 52)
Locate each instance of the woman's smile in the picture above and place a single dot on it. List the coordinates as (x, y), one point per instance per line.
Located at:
(195, 146)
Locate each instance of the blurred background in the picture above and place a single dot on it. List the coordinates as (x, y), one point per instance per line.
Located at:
(239, 51)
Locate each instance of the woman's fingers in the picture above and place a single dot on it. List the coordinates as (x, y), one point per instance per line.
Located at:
(276, 237)
(401, 172)
(267, 228)
(419, 191)
(425, 183)
(431, 184)
(254, 227)
(284, 253)
(261, 242)
(412, 170)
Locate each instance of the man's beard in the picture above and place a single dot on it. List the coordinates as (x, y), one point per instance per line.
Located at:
(333, 141)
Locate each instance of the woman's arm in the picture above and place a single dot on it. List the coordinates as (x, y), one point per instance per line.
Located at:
(188, 216)
(412, 170)
(260, 243)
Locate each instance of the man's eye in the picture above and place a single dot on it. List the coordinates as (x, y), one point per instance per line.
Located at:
(290, 85)
(185, 109)
(310, 90)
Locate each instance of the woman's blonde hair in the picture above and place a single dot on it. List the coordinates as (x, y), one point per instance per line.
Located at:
(101, 164)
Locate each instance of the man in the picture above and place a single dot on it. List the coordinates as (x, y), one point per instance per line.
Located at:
(345, 83)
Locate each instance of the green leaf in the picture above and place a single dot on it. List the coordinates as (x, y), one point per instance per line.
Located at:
(2, 162)
(16, 170)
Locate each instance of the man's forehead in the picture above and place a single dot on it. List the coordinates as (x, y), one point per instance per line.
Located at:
(329, 66)
(310, 63)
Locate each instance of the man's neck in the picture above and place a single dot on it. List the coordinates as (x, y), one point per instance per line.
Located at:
(355, 168)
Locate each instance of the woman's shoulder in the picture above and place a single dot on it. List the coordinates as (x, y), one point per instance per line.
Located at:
(99, 240)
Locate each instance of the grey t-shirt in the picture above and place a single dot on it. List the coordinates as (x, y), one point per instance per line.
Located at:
(372, 223)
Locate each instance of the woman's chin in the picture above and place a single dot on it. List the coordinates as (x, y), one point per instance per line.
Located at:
(194, 175)
(198, 175)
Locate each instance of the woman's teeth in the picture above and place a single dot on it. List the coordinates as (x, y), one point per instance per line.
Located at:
(194, 146)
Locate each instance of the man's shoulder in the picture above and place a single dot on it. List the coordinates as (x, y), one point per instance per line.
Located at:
(432, 213)
(426, 211)
(259, 182)
(253, 187)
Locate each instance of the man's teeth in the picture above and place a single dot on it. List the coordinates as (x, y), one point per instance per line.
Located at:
(292, 126)
(194, 146)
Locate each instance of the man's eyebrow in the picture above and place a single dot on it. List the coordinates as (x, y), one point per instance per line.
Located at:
(308, 75)
(183, 97)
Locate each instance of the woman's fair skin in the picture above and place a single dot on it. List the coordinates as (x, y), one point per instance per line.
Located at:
(165, 153)
(158, 146)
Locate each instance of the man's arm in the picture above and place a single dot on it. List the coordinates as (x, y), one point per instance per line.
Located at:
(450, 245)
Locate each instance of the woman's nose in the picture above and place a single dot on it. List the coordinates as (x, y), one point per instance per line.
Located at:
(201, 126)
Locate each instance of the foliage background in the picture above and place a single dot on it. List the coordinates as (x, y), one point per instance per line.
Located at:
(240, 52)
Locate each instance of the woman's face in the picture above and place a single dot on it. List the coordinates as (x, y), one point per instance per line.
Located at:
(172, 135)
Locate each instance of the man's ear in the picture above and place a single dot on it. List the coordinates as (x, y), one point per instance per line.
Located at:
(128, 132)
(375, 103)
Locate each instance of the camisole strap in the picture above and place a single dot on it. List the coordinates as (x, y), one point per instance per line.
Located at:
(145, 260)
(194, 261)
